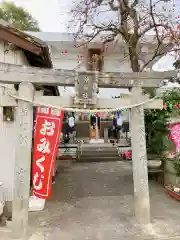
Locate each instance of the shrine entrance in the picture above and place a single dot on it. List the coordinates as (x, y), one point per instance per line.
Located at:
(95, 127)
(86, 100)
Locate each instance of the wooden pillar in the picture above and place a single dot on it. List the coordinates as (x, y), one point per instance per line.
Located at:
(139, 158)
(22, 161)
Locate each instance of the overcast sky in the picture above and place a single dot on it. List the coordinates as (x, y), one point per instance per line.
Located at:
(49, 13)
(52, 17)
(52, 14)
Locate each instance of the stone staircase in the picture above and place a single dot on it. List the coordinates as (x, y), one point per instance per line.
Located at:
(100, 152)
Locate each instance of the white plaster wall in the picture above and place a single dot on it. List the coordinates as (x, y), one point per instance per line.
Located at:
(59, 42)
(11, 56)
(68, 62)
(8, 130)
(71, 61)
(112, 63)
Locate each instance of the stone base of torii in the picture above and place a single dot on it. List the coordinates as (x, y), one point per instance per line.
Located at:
(26, 77)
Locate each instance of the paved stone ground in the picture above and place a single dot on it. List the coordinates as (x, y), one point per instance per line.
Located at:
(94, 201)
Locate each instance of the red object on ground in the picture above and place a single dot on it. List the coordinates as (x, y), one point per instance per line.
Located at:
(173, 194)
(46, 139)
(128, 155)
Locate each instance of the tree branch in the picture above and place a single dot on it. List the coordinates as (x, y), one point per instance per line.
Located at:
(128, 24)
(154, 22)
(113, 6)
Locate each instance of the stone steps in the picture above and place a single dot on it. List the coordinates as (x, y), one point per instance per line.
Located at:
(99, 159)
(102, 152)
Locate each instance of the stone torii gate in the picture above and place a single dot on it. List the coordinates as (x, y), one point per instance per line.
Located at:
(86, 84)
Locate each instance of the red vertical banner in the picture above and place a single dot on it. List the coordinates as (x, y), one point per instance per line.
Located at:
(46, 139)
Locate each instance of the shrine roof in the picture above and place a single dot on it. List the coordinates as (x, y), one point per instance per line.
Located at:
(53, 36)
(35, 50)
(69, 37)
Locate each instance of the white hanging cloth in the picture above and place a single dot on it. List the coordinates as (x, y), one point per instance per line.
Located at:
(71, 121)
(119, 121)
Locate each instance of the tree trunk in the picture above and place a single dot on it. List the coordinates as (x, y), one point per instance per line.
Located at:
(134, 58)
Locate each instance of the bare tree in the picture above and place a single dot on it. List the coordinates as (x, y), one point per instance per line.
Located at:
(129, 21)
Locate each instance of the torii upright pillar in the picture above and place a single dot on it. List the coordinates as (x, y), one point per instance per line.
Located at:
(139, 158)
(23, 162)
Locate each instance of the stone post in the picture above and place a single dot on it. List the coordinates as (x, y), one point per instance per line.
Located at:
(22, 161)
(106, 135)
(139, 158)
(97, 129)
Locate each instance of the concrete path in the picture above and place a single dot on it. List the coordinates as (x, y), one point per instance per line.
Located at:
(94, 201)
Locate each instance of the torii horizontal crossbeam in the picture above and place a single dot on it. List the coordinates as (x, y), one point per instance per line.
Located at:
(14, 74)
